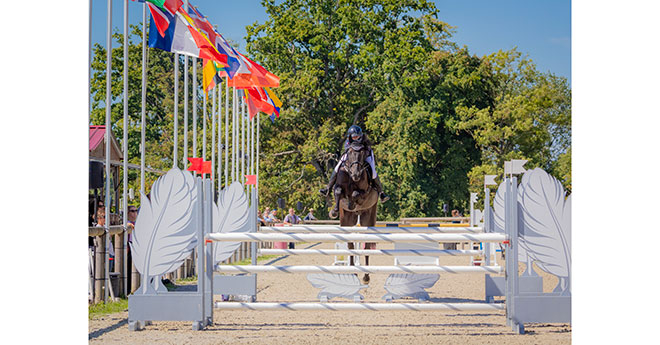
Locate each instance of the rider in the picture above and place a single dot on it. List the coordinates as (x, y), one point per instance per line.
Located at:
(355, 135)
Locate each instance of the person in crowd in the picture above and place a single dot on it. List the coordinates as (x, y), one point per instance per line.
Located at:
(130, 227)
(273, 216)
(266, 215)
(100, 222)
(455, 214)
(310, 215)
(291, 219)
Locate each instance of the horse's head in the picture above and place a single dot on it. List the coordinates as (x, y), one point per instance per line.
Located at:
(355, 162)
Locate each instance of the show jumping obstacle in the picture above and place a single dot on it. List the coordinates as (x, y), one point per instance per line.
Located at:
(151, 303)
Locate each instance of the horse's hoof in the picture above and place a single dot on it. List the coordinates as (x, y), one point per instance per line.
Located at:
(351, 206)
(355, 194)
(333, 214)
(366, 278)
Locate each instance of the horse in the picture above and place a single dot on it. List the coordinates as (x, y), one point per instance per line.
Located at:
(355, 196)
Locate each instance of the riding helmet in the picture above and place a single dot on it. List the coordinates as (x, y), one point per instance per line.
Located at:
(354, 133)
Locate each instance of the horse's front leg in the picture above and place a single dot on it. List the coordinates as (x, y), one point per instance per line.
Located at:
(334, 212)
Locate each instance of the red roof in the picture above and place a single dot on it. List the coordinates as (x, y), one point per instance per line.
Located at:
(97, 146)
(96, 134)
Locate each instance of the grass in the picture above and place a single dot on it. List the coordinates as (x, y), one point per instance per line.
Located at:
(248, 261)
(108, 308)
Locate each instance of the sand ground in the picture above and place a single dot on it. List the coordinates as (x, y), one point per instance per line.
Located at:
(311, 327)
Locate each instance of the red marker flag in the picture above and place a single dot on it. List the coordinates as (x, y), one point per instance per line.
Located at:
(206, 167)
(195, 164)
(251, 179)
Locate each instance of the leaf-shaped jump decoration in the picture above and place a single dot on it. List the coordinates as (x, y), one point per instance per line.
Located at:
(333, 285)
(547, 222)
(231, 215)
(409, 284)
(165, 227)
(498, 208)
(499, 216)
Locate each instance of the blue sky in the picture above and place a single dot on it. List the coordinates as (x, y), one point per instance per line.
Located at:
(539, 28)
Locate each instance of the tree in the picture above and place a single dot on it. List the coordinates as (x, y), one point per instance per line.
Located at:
(529, 117)
(337, 60)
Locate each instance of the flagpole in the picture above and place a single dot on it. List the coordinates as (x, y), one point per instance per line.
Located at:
(204, 128)
(144, 94)
(219, 116)
(185, 105)
(257, 167)
(242, 114)
(108, 113)
(233, 135)
(226, 131)
(89, 65)
(125, 146)
(213, 169)
(176, 110)
(194, 106)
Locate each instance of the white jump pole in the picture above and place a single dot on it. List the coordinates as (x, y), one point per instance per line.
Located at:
(370, 252)
(445, 238)
(359, 269)
(374, 229)
(450, 307)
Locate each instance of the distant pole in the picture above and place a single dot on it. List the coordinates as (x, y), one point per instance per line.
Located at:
(194, 107)
(144, 95)
(258, 126)
(213, 169)
(125, 147)
(176, 110)
(219, 88)
(204, 126)
(226, 132)
(242, 147)
(89, 65)
(233, 136)
(108, 113)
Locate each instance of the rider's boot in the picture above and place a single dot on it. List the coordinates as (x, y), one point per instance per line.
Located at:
(333, 178)
(379, 187)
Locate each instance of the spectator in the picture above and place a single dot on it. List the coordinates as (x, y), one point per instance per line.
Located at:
(100, 222)
(310, 215)
(455, 214)
(291, 218)
(266, 214)
(273, 216)
(130, 227)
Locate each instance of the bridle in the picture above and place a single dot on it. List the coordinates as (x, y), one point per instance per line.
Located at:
(362, 165)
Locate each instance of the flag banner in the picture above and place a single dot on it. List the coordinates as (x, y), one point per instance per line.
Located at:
(195, 164)
(489, 180)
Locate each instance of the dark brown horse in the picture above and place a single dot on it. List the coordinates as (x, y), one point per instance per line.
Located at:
(355, 195)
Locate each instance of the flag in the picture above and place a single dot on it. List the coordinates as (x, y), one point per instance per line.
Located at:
(257, 76)
(274, 100)
(162, 11)
(216, 38)
(210, 77)
(206, 167)
(250, 179)
(257, 100)
(182, 38)
(177, 38)
(206, 48)
(195, 164)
